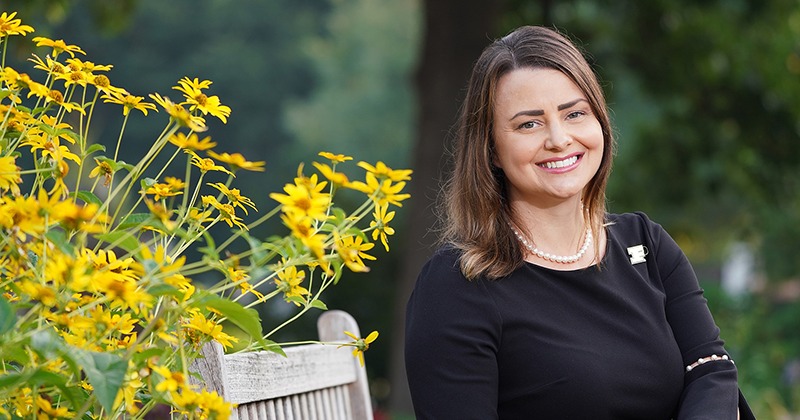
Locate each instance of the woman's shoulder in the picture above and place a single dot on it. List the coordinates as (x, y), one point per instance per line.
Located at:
(444, 261)
(634, 223)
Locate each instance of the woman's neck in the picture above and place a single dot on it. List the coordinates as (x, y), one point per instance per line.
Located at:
(557, 229)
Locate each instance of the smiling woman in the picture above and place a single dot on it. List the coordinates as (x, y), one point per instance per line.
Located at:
(547, 140)
(513, 318)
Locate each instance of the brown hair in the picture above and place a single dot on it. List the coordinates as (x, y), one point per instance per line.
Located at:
(476, 212)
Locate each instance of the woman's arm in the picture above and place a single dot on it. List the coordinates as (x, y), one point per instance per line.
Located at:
(452, 331)
(710, 382)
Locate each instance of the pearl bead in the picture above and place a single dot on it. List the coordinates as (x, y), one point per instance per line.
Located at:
(561, 259)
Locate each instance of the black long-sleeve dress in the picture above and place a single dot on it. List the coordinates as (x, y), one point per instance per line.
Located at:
(608, 343)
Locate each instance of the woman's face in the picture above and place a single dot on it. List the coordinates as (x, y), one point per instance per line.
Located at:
(548, 142)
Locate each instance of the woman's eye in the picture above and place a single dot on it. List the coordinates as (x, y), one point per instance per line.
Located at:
(575, 114)
(528, 125)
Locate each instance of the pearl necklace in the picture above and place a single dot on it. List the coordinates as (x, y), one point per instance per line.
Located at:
(567, 259)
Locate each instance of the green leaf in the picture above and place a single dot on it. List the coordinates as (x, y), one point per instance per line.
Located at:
(89, 198)
(59, 238)
(256, 247)
(272, 346)
(94, 148)
(140, 356)
(147, 183)
(7, 316)
(47, 344)
(296, 299)
(337, 270)
(245, 318)
(105, 372)
(122, 239)
(17, 354)
(164, 290)
(316, 303)
(39, 377)
(134, 220)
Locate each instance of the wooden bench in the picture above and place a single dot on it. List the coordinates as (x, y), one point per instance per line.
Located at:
(315, 381)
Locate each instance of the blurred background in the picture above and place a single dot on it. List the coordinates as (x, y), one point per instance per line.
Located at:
(704, 96)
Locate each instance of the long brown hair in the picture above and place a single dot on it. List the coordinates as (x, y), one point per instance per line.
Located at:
(476, 213)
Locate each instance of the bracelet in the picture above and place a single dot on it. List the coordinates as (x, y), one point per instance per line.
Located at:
(712, 358)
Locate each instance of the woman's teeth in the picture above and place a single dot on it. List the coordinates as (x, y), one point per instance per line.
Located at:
(560, 163)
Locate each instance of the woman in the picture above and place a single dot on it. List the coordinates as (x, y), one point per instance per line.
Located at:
(540, 304)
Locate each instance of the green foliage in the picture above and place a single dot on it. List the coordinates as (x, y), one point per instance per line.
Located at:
(761, 334)
(362, 62)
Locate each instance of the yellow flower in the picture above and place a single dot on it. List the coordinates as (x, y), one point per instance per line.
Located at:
(335, 158)
(116, 279)
(172, 380)
(199, 217)
(288, 282)
(175, 184)
(162, 213)
(50, 412)
(360, 344)
(128, 102)
(304, 198)
(75, 64)
(22, 213)
(58, 46)
(162, 191)
(104, 169)
(191, 142)
(301, 228)
(80, 217)
(48, 64)
(58, 97)
(233, 195)
(226, 211)
(179, 114)
(201, 405)
(381, 224)
(213, 406)
(64, 269)
(210, 328)
(237, 161)
(239, 277)
(103, 84)
(351, 250)
(164, 268)
(197, 100)
(9, 175)
(19, 81)
(382, 171)
(105, 320)
(384, 192)
(127, 394)
(43, 293)
(81, 73)
(57, 129)
(207, 164)
(337, 178)
(11, 26)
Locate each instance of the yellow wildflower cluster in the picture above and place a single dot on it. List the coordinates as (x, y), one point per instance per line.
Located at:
(99, 316)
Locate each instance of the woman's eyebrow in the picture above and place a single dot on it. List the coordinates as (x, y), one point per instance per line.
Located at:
(538, 112)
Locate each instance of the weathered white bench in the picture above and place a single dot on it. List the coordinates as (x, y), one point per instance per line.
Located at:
(315, 381)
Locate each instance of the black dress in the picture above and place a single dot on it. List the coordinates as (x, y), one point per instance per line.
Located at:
(608, 343)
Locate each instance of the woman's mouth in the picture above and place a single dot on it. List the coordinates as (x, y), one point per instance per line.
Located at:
(560, 164)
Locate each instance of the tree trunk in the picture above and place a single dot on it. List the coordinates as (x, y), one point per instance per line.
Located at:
(456, 31)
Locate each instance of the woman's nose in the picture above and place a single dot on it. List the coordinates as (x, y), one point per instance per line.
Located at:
(557, 137)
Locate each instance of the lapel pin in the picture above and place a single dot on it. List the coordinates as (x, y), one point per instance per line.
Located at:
(637, 253)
